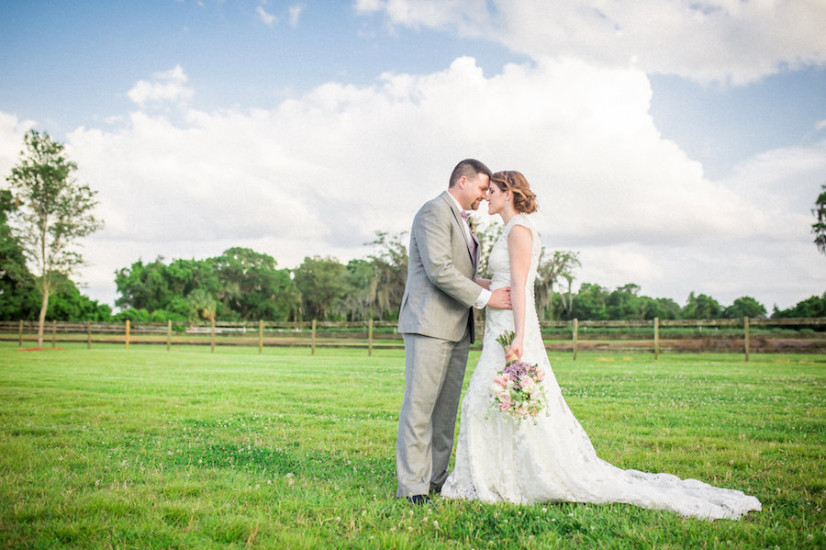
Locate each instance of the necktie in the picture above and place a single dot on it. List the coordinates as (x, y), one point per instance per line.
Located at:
(471, 243)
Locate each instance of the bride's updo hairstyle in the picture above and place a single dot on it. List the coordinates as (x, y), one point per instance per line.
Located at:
(524, 200)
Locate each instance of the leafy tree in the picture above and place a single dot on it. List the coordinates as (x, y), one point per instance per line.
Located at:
(624, 303)
(745, 306)
(158, 286)
(54, 212)
(322, 285)
(374, 286)
(134, 315)
(69, 304)
(241, 284)
(16, 282)
(702, 307)
(389, 267)
(252, 287)
(814, 306)
(662, 308)
(147, 286)
(819, 227)
(202, 305)
(361, 284)
(553, 267)
(590, 303)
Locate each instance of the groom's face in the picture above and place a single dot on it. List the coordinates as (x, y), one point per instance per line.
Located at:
(476, 190)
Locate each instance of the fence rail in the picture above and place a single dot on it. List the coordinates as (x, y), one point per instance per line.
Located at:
(803, 335)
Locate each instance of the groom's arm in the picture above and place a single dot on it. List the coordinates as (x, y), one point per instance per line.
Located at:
(497, 299)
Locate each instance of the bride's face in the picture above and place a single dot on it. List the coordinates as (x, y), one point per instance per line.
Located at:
(496, 199)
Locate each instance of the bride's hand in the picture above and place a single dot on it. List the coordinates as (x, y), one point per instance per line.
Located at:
(514, 350)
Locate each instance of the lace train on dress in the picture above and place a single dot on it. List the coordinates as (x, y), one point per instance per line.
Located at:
(498, 459)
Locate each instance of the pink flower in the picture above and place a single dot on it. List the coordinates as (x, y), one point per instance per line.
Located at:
(504, 406)
(501, 381)
(540, 374)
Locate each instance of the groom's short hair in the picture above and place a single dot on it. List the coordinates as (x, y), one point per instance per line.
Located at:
(468, 168)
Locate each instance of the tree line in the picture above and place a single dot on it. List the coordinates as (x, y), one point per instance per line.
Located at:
(46, 211)
(244, 285)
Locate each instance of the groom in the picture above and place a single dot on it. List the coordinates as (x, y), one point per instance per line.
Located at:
(436, 321)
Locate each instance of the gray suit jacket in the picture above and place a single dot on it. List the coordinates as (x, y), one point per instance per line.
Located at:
(440, 291)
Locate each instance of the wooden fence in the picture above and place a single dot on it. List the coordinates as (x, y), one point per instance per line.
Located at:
(656, 336)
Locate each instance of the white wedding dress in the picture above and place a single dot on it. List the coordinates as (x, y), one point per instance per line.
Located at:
(500, 459)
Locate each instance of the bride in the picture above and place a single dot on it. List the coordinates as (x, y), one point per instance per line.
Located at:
(501, 459)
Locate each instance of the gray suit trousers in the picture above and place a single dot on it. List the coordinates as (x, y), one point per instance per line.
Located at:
(434, 373)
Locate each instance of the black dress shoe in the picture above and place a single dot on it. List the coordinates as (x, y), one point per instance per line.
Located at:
(418, 500)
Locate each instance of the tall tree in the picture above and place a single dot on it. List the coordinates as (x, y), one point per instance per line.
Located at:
(625, 303)
(819, 227)
(702, 306)
(745, 306)
(362, 285)
(558, 265)
(54, 212)
(321, 282)
(590, 303)
(252, 287)
(389, 273)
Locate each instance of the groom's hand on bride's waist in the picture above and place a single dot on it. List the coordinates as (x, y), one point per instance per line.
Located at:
(500, 298)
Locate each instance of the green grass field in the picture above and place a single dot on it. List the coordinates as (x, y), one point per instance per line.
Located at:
(108, 448)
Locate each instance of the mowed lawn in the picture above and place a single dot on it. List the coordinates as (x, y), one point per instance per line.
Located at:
(109, 448)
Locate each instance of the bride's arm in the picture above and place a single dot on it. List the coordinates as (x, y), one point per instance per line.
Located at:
(519, 251)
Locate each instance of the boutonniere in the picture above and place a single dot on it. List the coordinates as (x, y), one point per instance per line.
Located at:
(471, 222)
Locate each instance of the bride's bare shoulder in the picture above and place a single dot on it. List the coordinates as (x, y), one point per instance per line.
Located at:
(520, 233)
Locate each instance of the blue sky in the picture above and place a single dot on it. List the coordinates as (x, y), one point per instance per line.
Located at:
(678, 145)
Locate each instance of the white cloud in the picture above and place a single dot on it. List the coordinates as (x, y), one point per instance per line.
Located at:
(267, 18)
(295, 13)
(714, 40)
(12, 131)
(165, 86)
(319, 174)
(821, 124)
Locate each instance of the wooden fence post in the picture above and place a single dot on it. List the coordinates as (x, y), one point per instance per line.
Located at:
(656, 337)
(212, 337)
(127, 333)
(746, 335)
(260, 337)
(54, 333)
(370, 339)
(168, 334)
(88, 334)
(576, 329)
(312, 344)
(20, 343)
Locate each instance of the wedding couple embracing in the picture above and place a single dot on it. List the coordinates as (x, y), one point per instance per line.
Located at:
(498, 457)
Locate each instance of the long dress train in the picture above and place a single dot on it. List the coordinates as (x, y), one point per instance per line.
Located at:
(499, 459)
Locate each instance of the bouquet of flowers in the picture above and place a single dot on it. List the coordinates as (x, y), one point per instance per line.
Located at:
(516, 390)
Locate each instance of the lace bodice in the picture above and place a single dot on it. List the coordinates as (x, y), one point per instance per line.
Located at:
(499, 261)
(498, 320)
